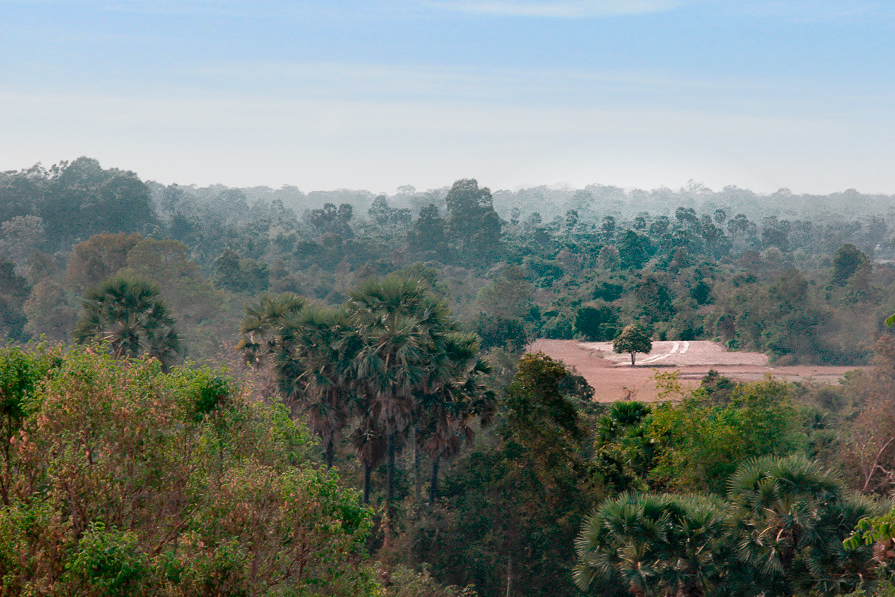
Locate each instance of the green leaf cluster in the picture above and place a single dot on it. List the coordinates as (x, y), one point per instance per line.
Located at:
(698, 443)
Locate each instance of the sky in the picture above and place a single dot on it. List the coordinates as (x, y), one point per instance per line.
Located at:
(760, 94)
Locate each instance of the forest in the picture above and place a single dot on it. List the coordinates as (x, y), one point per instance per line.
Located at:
(222, 391)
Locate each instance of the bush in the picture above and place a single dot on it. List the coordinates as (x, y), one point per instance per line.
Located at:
(130, 481)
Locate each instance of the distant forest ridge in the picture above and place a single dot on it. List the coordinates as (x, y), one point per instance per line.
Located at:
(593, 201)
(514, 265)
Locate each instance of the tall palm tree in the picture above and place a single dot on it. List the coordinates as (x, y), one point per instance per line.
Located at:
(393, 368)
(777, 503)
(370, 445)
(843, 570)
(403, 328)
(455, 397)
(128, 315)
(261, 326)
(313, 364)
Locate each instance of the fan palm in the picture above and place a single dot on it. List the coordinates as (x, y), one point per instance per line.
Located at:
(393, 367)
(261, 326)
(455, 397)
(128, 315)
(832, 568)
(654, 545)
(403, 329)
(313, 367)
(791, 518)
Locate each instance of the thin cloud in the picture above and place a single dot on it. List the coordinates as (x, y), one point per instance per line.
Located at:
(231, 8)
(807, 11)
(559, 8)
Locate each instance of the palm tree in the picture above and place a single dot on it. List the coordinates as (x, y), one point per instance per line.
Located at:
(454, 399)
(844, 569)
(370, 445)
(698, 543)
(403, 328)
(393, 369)
(313, 361)
(127, 314)
(261, 326)
(791, 518)
(618, 543)
(780, 532)
(654, 545)
(777, 503)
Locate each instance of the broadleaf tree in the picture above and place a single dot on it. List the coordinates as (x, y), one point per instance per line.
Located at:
(632, 339)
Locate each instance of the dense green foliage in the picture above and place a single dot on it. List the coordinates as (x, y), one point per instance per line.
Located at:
(509, 513)
(123, 480)
(393, 329)
(779, 532)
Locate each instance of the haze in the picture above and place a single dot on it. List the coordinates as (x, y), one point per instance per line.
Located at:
(638, 93)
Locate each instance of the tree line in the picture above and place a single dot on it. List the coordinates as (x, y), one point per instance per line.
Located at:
(797, 289)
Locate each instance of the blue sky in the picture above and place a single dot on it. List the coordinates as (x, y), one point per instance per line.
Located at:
(637, 93)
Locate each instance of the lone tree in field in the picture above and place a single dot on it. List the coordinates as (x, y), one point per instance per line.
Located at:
(633, 339)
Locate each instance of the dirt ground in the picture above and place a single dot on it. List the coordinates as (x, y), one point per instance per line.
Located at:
(614, 378)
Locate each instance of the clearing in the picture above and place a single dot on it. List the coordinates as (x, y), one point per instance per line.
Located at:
(614, 379)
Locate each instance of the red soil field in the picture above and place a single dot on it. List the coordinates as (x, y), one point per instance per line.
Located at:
(613, 377)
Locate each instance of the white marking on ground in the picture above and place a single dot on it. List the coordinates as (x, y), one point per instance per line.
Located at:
(656, 358)
(659, 357)
(691, 353)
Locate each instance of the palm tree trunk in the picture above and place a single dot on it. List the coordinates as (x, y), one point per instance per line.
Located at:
(433, 485)
(390, 475)
(510, 576)
(330, 452)
(7, 468)
(417, 477)
(367, 471)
